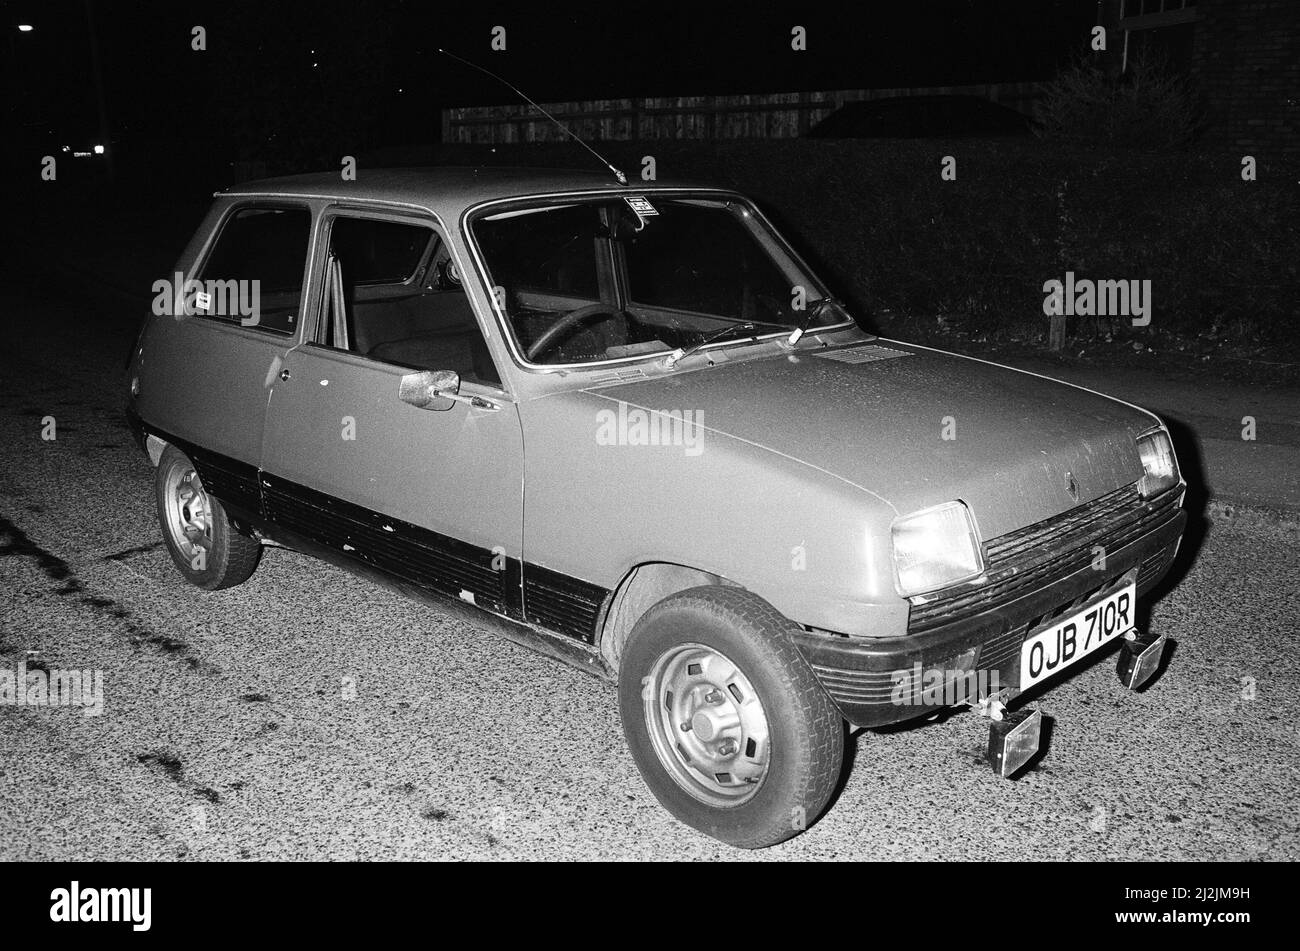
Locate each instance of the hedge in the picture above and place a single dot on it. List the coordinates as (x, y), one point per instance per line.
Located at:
(901, 244)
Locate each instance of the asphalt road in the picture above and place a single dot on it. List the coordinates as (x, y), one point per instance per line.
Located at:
(309, 714)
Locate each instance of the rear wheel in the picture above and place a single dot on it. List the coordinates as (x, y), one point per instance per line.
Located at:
(204, 545)
(726, 721)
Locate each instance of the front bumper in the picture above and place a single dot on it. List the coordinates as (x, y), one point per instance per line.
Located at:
(984, 631)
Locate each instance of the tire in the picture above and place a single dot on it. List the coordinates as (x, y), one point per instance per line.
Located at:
(207, 550)
(706, 657)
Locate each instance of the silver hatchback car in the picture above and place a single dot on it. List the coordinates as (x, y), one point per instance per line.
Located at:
(628, 426)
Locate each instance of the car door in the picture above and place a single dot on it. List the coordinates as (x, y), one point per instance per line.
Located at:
(433, 496)
(234, 306)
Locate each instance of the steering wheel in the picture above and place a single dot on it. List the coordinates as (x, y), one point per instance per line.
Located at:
(566, 323)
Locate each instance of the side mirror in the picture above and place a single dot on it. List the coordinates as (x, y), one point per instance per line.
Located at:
(430, 389)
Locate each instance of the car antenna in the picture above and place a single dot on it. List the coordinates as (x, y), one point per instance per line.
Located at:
(622, 179)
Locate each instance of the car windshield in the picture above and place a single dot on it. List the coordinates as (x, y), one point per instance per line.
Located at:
(613, 278)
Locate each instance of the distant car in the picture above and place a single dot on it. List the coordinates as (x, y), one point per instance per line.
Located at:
(628, 426)
(922, 117)
(72, 158)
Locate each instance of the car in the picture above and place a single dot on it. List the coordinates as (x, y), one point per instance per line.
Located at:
(628, 426)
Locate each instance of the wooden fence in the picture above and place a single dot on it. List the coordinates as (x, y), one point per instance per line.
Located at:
(766, 115)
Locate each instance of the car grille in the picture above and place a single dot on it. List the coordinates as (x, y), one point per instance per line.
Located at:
(1029, 558)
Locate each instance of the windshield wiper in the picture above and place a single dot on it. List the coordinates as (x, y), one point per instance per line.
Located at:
(680, 353)
(811, 314)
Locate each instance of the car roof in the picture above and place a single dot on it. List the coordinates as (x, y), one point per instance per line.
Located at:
(446, 190)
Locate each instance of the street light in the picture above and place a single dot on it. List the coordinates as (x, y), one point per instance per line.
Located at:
(25, 28)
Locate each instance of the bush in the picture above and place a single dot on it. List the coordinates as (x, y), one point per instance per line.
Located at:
(1149, 106)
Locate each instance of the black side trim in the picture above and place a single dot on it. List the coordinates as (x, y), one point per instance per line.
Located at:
(229, 480)
(567, 649)
(419, 556)
(563, 603)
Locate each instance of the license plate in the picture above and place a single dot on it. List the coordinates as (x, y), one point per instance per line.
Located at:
(1075, 637)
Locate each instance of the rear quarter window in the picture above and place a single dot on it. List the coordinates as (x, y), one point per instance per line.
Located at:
(254, 273)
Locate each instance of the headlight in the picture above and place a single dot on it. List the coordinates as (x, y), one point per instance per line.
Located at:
(1159, 466)
(934, 548)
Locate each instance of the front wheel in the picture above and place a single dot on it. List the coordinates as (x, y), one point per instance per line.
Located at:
(725, 719)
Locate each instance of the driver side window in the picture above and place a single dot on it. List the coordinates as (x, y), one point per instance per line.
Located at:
(393, 294)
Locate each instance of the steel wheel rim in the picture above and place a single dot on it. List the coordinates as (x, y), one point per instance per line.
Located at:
(189, 512)
(707, 724)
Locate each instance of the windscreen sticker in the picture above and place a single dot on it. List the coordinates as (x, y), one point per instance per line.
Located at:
(642, 207)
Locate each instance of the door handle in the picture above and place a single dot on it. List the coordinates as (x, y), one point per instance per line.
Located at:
(478, 402)
(284, 375)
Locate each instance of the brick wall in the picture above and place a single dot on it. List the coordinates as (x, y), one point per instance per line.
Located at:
(1246, 61)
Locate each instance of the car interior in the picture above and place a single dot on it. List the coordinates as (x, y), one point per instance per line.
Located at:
(394, 295)
(591, 281)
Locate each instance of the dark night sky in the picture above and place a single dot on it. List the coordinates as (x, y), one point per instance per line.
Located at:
(157, 87)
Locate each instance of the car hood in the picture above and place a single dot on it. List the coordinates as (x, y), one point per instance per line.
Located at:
(916, 427)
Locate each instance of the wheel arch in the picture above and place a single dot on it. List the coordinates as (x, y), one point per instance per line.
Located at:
(644, 586)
